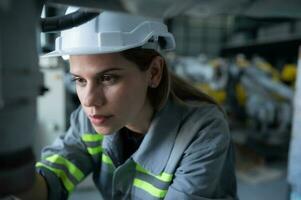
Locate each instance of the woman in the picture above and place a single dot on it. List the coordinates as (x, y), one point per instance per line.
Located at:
(142, 132)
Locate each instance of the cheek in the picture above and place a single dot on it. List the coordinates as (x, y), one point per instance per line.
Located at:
(79, 93)
(127, 96)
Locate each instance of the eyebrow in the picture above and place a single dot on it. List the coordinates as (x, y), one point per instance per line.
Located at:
(102, 72)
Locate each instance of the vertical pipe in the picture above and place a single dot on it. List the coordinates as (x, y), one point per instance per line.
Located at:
(1, 97)
(294, 168)
(20, 80)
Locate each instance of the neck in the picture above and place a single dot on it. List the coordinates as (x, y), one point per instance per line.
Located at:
(143, 120)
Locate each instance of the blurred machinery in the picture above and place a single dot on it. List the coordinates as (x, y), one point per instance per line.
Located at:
(52, 106)
(210, 77)
(268, 102)
(252, 92)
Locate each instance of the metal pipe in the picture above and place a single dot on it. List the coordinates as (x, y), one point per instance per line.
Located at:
(20, 82)
(116, 5)
(294, 161)
(59, 23)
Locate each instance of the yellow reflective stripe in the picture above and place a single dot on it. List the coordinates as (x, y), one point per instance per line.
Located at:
(94, 150)
(61, 174)
(73, 170)
(106, 159)
(149, 188)
(87, 137)
(165, 177)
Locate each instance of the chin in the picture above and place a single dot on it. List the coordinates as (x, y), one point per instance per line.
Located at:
(105, 130)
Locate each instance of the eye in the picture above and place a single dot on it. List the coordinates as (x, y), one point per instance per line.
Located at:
(79, 81)
(109, 79)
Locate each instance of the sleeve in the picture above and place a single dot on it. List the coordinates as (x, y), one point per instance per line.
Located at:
(206, 170)
(66, 162)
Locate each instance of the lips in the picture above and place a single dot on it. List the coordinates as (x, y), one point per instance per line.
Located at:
(99, 119)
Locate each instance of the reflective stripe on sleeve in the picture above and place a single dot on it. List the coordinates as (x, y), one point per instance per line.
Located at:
(152, 190)
(61, 174)
(165, 177)
(72, 169)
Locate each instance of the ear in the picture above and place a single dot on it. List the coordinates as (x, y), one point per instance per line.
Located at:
(155, 71)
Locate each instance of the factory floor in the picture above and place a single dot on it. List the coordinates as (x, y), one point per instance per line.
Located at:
(275, 189)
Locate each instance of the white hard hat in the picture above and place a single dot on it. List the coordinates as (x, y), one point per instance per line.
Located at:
(112, 32)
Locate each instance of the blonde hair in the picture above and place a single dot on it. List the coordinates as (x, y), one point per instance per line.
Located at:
(171, 86)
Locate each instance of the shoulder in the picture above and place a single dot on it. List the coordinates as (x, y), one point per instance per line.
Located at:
(205, 111)
(206, 125)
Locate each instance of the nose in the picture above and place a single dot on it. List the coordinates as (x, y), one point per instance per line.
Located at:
(94, 96)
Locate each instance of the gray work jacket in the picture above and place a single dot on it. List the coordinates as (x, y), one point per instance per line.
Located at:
(186, 154)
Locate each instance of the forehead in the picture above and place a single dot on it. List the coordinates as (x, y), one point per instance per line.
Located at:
(98, 61)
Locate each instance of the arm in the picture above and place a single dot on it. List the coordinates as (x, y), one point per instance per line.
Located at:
(68, 160)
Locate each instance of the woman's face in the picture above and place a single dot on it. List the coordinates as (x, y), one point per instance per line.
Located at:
(112, 91)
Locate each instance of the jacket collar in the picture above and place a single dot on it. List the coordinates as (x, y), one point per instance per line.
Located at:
(156, 147)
